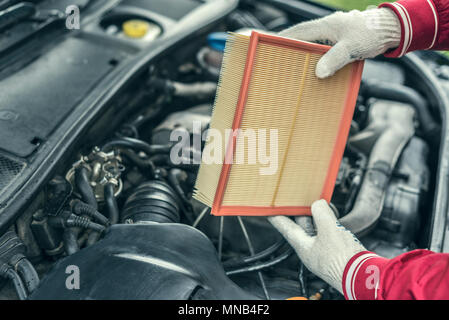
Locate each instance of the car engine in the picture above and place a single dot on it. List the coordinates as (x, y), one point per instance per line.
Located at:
(87, 182)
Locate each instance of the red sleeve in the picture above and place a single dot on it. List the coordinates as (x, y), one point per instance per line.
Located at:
(418, 274)
(424, 25)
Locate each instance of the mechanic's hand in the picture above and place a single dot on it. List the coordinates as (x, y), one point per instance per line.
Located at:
(326, 253)
(355, 35)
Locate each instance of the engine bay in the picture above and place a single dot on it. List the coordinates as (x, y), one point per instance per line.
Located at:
(87, 179)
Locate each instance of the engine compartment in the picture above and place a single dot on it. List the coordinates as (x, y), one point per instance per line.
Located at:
(113, 204)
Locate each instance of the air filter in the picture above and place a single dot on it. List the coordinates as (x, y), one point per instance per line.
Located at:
(268, 84)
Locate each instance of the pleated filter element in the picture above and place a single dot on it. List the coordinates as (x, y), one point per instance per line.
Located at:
(269, 96)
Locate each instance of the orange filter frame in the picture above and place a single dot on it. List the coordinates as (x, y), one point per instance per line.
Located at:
(338, 149)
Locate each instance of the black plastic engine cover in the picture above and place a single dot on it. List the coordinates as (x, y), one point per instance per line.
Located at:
(144, 261)
(55, 83)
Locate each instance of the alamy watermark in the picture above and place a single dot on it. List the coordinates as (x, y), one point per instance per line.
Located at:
(372, 280)
(72, 282)
(73, 18)
(253, 147)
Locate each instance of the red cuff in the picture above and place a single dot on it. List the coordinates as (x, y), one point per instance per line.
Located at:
(419, 25)
(361, 277)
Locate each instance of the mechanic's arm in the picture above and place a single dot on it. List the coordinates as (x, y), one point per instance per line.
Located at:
(336, 256)
(392, 29)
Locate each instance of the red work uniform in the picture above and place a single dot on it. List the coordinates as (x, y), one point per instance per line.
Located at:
(424, 25)
(418, 274)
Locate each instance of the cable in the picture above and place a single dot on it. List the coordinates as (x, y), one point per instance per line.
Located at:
(251, 250)
(75, 221)
(220, 238)
(200, 217)
(302, 281)
(263, 265)
(233, 263)
(69, 220)
(80, 208)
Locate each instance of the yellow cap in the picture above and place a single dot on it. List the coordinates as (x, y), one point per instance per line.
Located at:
(135, 28)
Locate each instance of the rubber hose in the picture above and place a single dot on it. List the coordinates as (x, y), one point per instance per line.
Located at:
(28, 274)
(70, 241)
(18, 283)
(137, 145)
(94, 236)
(143, 164)
(84, 188)
(152, 201)
(111, 203)
(401, 93)
(198, 90)
(384, 155)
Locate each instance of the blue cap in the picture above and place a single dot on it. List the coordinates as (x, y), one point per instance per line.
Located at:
(217, 40)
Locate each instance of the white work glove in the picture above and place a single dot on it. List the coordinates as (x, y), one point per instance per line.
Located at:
(326, 253)
(354, 35)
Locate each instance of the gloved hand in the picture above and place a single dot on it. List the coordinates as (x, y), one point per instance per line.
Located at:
(326, 253)
(355, 35)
